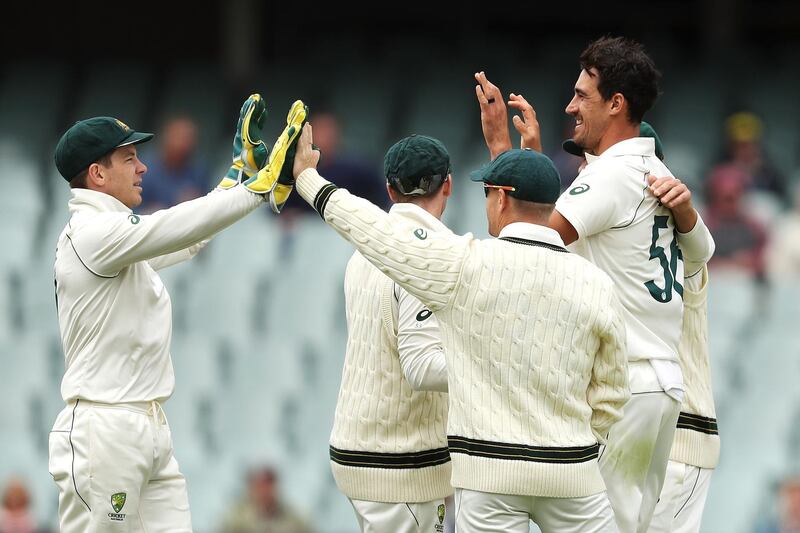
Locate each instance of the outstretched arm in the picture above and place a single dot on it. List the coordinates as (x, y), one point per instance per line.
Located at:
(427, 265)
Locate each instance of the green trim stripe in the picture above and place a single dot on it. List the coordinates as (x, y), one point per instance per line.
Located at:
(522, 452)
(364, 459)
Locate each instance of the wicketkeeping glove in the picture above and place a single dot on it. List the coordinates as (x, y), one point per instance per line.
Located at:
(249, 151)
(279, 165)
(278, 197)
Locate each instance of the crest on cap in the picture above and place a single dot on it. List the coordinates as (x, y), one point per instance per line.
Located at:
(122, 124)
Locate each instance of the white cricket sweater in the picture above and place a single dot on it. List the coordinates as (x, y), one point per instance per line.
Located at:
(389, 442)
(696, 437)
(533, 337)
(114, 312)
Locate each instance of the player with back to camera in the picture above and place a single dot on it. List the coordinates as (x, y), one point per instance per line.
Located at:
(533, 339)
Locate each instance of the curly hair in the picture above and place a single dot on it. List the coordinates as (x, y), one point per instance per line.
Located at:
(623, 67)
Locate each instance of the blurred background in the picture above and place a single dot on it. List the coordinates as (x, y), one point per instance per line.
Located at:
(258, 362)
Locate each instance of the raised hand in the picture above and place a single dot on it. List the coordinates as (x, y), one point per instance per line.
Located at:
(526, 124)
(494, 116)
(249, 151)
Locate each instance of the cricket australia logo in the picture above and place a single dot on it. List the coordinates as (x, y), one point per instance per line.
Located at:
(117, 503)
(440, 512)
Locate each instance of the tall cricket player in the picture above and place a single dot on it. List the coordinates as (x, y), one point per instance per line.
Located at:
(609, 217)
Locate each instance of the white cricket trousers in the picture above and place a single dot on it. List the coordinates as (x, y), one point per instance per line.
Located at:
(680, 507)
(485, 512)
(419, 517)
(115, 471)
(634, 461)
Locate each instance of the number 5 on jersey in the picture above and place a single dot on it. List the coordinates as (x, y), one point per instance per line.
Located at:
(669, 264)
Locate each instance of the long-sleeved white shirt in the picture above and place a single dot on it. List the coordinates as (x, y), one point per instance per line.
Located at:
(114, 312)
(419, 340)
(533, 338)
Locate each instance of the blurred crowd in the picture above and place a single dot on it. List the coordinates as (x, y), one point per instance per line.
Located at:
(751, 207)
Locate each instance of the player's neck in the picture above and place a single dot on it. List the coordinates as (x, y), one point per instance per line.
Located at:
(616, 132)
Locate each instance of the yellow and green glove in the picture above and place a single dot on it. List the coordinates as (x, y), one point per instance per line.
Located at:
(249, 151)
(276, 179)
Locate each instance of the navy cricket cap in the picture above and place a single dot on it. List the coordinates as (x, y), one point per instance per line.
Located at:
(416, 165)
(89, 140)
(645, 130)
(532, 175)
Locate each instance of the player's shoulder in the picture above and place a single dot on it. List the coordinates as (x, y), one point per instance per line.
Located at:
(591, 272)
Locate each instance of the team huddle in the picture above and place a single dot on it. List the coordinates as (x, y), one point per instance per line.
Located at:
(555, 373)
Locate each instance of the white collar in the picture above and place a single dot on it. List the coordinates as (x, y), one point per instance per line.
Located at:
(645, 146)
(417, 214)
(532, 232)
(83, 199)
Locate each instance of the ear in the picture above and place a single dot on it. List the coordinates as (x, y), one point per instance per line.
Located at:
(447, 187)
(617, 104)
(392, 193)
(95, 178)
(503, 200)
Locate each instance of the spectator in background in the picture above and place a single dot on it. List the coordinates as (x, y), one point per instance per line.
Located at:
(788, 509)
(176, 173)
(783, 256)
(744, 131)
(262, 511)
(350, 171)
(740, 239)
(15, 515)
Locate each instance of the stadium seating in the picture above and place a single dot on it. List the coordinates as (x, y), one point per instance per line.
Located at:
(258, 360)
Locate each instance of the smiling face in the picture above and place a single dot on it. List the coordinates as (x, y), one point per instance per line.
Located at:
(591, 112)
(122, 179)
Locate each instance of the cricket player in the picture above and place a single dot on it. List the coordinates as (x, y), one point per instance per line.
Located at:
(609, 217)
(388, 446)
(110, 448)
(696, 445)
(533, 337)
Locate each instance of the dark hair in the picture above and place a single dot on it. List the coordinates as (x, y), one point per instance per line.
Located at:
(79, 181)
(623, 67)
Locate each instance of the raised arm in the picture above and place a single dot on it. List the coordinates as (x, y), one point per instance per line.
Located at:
(494, 116)
(111, 241)
(427, 265)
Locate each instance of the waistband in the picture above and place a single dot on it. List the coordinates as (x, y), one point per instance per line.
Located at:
(152, 408)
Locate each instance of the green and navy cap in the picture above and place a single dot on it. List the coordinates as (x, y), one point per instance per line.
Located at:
(526, 175)
(645, 130)
(89, 140)
(417, 165)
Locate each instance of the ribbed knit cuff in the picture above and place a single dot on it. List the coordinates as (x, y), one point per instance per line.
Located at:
(526, 478)
(393, 485)
(695, 448)
(309, 184)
